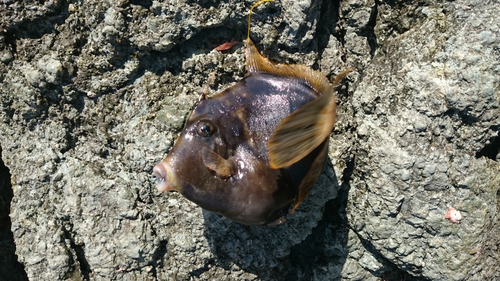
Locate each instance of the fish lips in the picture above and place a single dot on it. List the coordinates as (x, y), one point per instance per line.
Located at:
(217, 202)
(165, 178)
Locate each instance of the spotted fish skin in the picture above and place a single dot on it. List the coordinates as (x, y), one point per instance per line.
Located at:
(243, 119)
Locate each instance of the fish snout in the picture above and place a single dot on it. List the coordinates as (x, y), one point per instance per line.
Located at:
(164, 177)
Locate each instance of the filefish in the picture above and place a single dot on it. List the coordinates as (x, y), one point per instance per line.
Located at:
(257, 148)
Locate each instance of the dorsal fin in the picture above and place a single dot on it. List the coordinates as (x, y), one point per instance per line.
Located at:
(303, 130)
(250, 14)
(259, 64)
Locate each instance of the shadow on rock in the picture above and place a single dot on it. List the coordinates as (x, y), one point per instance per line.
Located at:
(300, 242)
(9, 266)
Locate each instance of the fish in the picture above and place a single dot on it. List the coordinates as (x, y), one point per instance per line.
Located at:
(256, 149)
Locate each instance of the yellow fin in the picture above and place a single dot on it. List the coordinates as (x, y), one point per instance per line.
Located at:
(259, 64)
(222, 167)
(250, 14)
(312, 176)
(302, 131)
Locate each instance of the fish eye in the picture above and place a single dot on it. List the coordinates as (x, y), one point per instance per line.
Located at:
(206, 129)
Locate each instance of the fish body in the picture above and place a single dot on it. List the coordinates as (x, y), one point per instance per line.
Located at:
(236, 125)
(258, 147)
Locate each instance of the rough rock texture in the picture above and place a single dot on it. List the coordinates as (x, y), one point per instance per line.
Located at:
(427, 114)
(94, 93)
(10, 268)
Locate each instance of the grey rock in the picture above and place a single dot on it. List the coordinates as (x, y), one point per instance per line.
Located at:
(10, 266)
(95, 93)
(431, 85)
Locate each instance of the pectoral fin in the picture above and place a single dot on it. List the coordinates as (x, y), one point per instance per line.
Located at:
(222, 167)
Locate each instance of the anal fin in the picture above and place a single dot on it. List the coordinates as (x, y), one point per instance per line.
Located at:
(312, 176)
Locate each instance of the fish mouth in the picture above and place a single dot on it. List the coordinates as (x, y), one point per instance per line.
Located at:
(164, 177)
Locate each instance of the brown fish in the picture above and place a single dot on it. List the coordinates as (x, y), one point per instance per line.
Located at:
(252, 150)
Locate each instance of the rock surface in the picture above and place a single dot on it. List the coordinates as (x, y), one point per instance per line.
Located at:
(93, 94)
